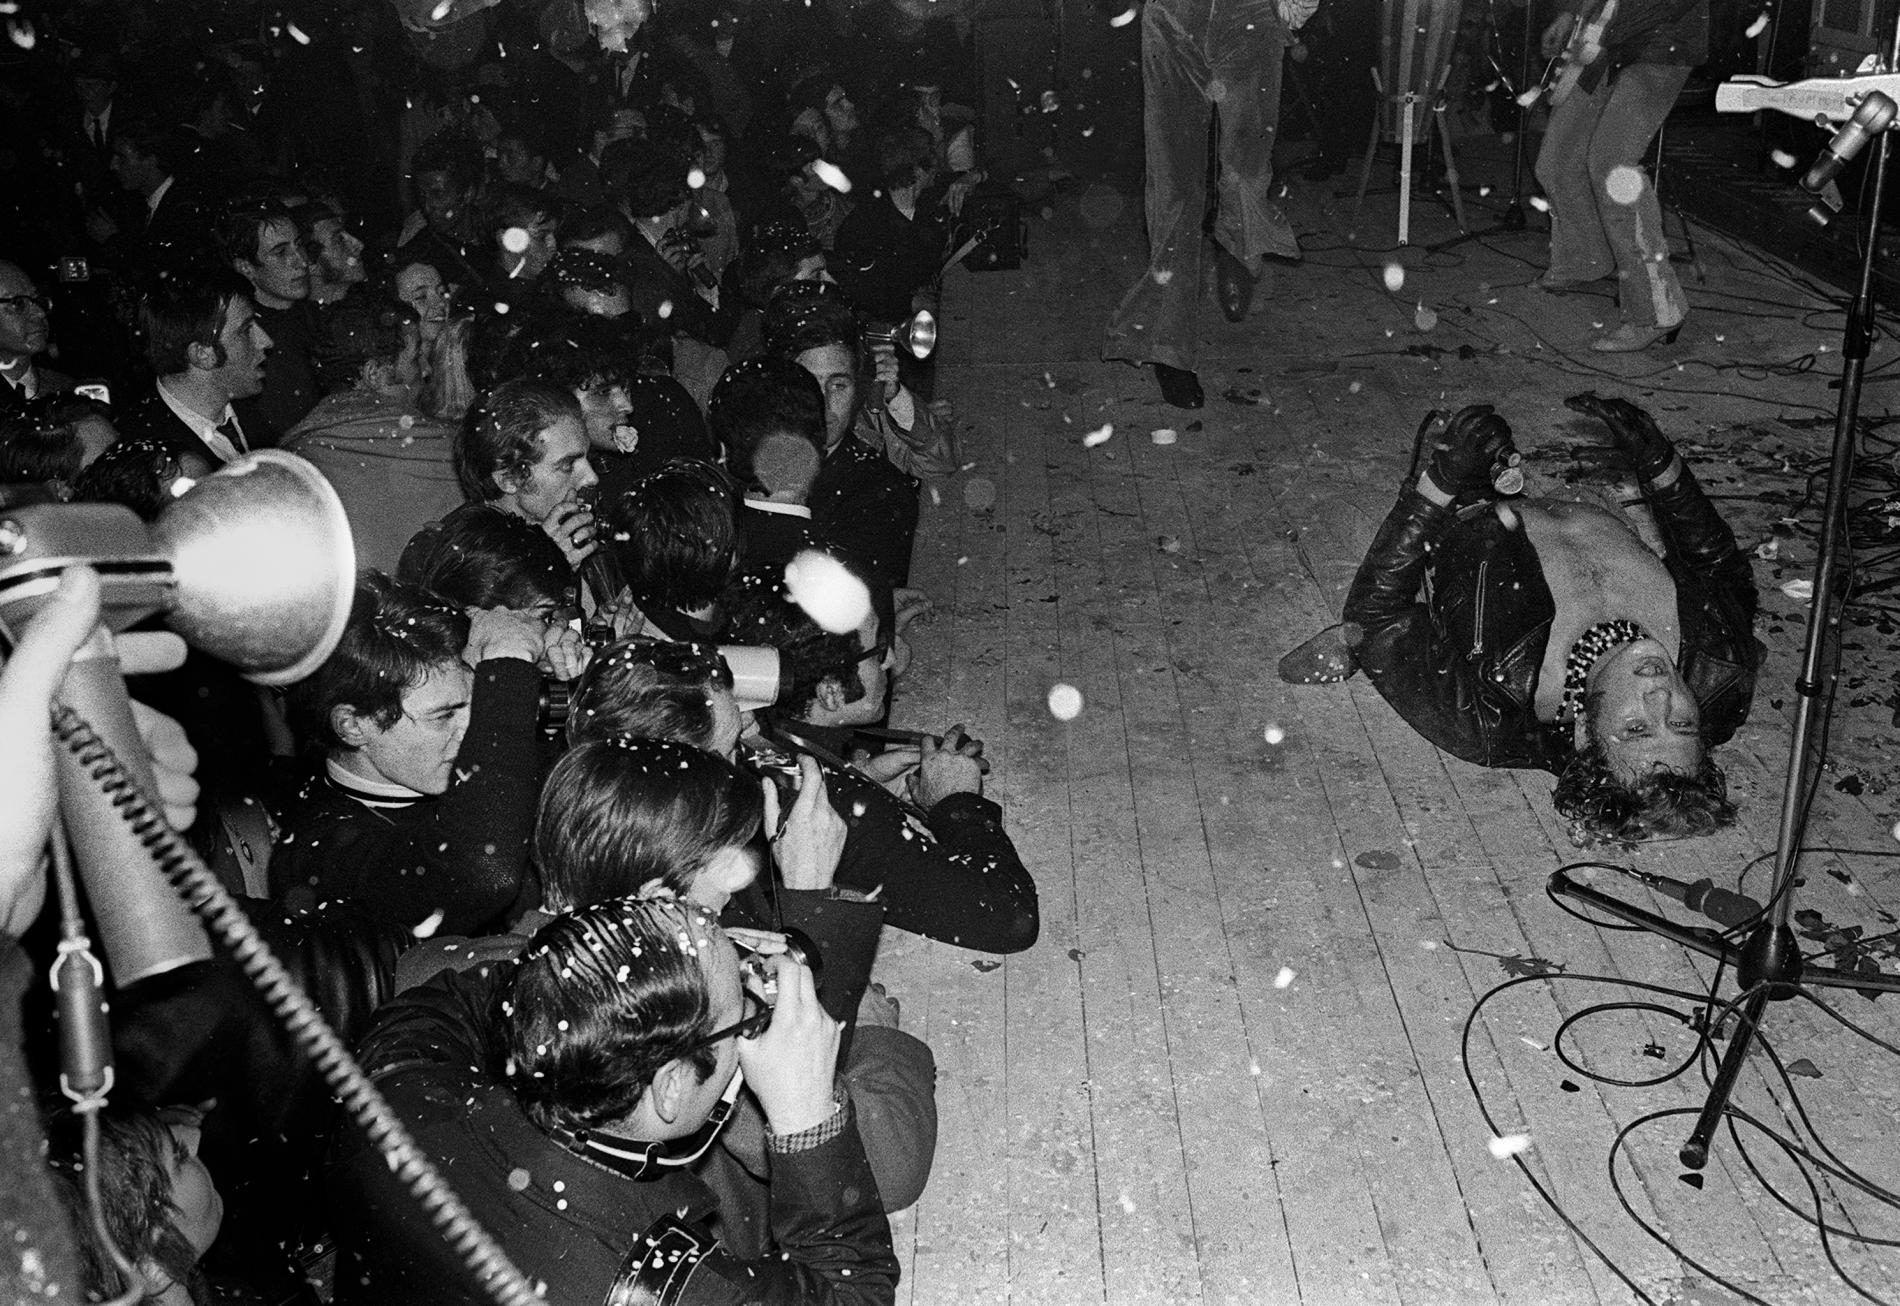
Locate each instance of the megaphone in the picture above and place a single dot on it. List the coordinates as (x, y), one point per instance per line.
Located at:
(254, 565)
(918, 336)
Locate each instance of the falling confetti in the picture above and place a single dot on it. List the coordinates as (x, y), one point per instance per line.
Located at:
(1624, 184)
(1065, 702)
(1756, 28)
(1800, 590)
(695, 178)
(296, 34)
(1273, 734)
(832, 175)
(1285, 978)
(1124, 18)
(1424, 317)
(1394, 277)
(1506, 1146)
(1163, 436)
(426, 928)
(1528, 98)
(515, 240)
(1539, 203)
(828, 593)
(1100, 435)
(1783, 159)
(1895, 832)
(441, 11)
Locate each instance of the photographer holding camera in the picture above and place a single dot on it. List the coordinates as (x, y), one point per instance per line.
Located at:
(861, 500)
(425, 801)
(626, 1031)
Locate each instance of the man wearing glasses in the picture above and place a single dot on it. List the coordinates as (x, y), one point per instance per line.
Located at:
(24, 333)
(573, 1098)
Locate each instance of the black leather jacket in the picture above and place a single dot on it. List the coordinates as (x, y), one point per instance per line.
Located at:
(1460, 662)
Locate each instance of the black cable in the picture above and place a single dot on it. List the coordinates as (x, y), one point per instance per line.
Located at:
(1706, 1023)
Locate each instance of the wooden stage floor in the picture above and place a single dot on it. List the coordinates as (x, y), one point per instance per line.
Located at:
(1239, 1067)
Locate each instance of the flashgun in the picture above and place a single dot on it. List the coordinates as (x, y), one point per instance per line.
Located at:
(758, 677)
(254, 565)
(918, 336)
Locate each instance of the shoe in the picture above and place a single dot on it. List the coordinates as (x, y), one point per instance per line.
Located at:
(1630, 338)
(1233, 284)
(1560, 285)
(1179, 386)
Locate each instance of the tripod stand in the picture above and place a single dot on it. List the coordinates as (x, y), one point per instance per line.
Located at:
(1768, 965)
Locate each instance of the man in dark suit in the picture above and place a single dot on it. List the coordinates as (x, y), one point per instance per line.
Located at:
(769, 415)
(146, 159)
(24, 333)
(860, 500)
(664, 268)
(261, 243)
(204, 341)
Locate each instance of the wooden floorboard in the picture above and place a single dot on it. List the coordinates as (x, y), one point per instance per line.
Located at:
(1234, 1068)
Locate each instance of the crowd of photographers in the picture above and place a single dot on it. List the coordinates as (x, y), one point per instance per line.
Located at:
(614, 344)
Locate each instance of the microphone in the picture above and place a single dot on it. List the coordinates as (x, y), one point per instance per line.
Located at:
(1722, 906)
(1875, 115)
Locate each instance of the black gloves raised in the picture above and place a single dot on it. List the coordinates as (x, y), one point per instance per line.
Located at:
(1472, 453)
(1637, 438)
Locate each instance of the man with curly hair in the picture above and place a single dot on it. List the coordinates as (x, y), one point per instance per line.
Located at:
(1544, 633)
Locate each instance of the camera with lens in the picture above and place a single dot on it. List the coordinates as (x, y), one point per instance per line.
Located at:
(799, 946)
(758, 678)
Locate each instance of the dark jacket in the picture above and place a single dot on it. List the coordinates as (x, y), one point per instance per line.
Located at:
(884, 258)
(954, 876)
(290, 376)
(652, 282)
(863, 503)
(464, 853)
(1461, 666)
(149, 417)
(577, 1227)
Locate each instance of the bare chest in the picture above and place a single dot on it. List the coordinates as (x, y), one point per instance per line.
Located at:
(1597, 570)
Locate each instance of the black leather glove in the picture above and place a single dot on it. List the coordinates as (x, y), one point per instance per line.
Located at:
(1470, 452)
(1637, 438)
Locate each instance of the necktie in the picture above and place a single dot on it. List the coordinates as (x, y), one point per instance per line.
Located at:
(96, 130)
(230, 430)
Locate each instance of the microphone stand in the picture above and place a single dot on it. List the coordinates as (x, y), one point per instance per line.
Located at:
(1767, 962)
(1513, 219)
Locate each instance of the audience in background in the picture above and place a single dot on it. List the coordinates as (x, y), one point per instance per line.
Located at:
(488, 284)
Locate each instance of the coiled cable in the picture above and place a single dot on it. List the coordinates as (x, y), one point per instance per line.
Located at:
(202, 892)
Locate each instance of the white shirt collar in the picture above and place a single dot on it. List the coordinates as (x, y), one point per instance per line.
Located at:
(372, 793)
(201, 426)
(799, 510)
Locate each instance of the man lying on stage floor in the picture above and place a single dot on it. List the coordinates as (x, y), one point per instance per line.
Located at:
(1544, 633)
